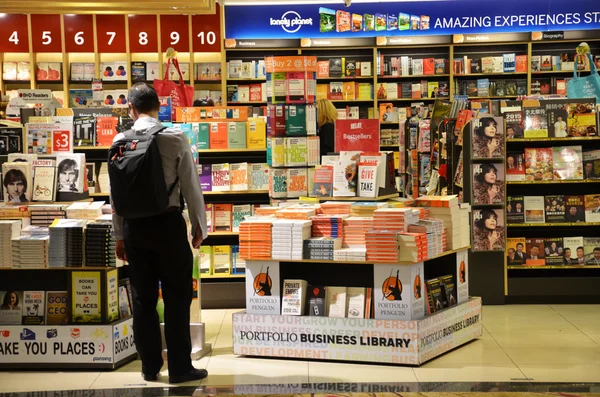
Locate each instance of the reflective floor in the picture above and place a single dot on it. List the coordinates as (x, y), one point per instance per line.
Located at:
(523, 348)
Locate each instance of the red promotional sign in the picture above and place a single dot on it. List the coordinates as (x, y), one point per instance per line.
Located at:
(143, 36)
(46, 34)
(110, 31)
(357, 135)
(13, 33)
(206, 32)
(79, 33)
(174, 33)
(62, 141)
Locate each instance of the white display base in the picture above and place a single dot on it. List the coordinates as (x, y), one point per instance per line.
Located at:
(67, 346)
(359, 340)
(199, 347)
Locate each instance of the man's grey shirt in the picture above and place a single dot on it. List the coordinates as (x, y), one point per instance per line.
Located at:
(177, 160)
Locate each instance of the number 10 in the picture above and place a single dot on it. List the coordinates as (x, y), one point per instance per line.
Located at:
(211, 38)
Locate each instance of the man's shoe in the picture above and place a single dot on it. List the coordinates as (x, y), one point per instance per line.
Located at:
(194, 374)
(150, 377)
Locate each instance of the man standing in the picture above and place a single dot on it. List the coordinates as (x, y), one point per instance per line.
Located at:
(157, 247)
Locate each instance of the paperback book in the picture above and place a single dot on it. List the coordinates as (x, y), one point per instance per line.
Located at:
(515, 211)
(592, 207)
(554, 251)
(567, 162)
(539, 164)
(488, 183)
(488, 230)
(515, 251)
(515, 166)
(535, 252)
(534, 209)
(574, 208)
(591, 247)
(554, 208)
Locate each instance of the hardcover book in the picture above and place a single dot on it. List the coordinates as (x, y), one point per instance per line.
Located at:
(336, 301)
(346, 174)
(536, 123)
(293, 300)
(449, 286)
(12, 307)
(534, 209)
(17, 182)
(33, 307)
(356, 302)
(56, 308)
(323, 181)
(510, 63)
(44, 179)
(554, 208)
(436, 299)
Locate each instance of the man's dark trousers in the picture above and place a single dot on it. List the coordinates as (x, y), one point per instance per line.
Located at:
(157, 249)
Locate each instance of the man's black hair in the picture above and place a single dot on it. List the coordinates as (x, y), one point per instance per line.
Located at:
(143, 98)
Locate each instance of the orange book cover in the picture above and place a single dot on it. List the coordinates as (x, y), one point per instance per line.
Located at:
(322, 69)
(521, 64)
(106, 130)
(428, 66)
(349, 90)
(222, 216)
(218, 136)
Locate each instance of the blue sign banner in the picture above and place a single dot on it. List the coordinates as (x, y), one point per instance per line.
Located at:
(409, 18)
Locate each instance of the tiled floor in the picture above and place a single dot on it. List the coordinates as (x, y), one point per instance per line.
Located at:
(520, 343)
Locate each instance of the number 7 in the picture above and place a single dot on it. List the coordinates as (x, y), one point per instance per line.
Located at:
(112, 37)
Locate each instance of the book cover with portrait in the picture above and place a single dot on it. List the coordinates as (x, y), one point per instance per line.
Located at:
(535, 252)
(515, 209)
(515, 251)
(591, 247)
(574, 208)
(487, 137)
(592, 207)
(488, 230)
(515, 166)
(574, 251)
(17, 182)
(70, 172)
(488, 183)
(554, 208)
(11, 307)
(553, 251)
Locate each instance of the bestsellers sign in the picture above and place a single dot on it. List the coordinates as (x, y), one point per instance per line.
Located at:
(435, 17)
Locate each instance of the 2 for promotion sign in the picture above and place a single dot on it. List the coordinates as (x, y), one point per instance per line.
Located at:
(357, 135)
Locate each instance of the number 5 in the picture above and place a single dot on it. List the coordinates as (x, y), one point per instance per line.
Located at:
(112, 37)
(46, 36)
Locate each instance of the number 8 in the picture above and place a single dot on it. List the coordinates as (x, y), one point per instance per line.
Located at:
(143, 38)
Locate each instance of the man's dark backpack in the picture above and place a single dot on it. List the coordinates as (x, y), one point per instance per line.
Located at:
(137, 181)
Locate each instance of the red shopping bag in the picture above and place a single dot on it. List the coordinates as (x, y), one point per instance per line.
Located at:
(181, 95)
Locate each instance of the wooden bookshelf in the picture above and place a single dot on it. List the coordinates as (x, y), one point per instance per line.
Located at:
(494, 97)
(565, 224)
(348, 78)
(553, 182)
(566, 139)
(491, 74)
(553, 267)
(421, 76)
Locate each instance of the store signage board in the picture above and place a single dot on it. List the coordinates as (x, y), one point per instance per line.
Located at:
(489, 38)
(361, 135)
(79, 33)
(359, 340)
(174, 33)
(260, 43)
(399, 293)
(263, 292)
(14, 36)
(565, 35)
(316, 43)
(383, 41)
(111, 33)
(436, 17)
(206, 32)
(143, 33)
(46, 33)
(78, 344)
(86, 297)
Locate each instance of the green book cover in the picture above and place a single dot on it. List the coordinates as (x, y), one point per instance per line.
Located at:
(295, 120)
(296, 152)
(203, 135)
(236, 134)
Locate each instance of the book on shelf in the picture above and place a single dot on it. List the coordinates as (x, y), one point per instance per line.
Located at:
(436, 299)
(17, 182)
(515, 166)
(297, 182)
(258, 176)
(429, 66)
(546, 63)
(44, 188)
(591, 247)
(554, 252)
(535, 252)
(356, 297)
(210, 221)
(534, 209)
(521, 64)
(13, 312)
(554, 208)
(278, 183)
(335, 67)
(219, 135)
(238, 174)
(222, 214)
(567, 162)
(591, 164)
(592, 207)
(539, 164)
(239, 213)
(536, 63)
(205, 175)
(316, 298)
(515, 251)
(574, 251)
(574, 208)
(293, 300)
(440, 66)
(336, 301)
(33, 308)
(515, 124)
(220, 177)
(536, 123)
(56, 307)
(221, 259)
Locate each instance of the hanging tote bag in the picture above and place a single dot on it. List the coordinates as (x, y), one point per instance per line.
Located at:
(585, 87)
(180, 94)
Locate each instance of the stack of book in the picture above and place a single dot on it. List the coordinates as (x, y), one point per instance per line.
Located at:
(66, 243)
(288, 237)
(365, 208)
(8, 231)
(435, 231)
(355, 231)
(296, 212)
(45, 214)
(30, 252)
(455, 218)
(336, 208)
(256, 239)
(85, 210)
(321, 248)
(351, 255)
(413, 247)
(99, 244)
(328, 226)
(395, 219)
(382, 246)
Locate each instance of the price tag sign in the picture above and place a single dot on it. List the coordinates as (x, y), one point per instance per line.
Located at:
(46, 35)
(62, 141)
(79, 33)
(111, 33)
(174, 33)
(206, 32)
(143, 36)
(13, 33)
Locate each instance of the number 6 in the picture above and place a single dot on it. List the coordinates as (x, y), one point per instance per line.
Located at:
(79, 38)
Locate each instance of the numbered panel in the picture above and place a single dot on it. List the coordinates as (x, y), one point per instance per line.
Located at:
(13, 33)
(174, 33)
(46, 34)
(79, 33)
(206, 32)
(111, 33)
(143, 33)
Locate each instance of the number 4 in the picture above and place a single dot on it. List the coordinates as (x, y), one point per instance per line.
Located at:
(14, 38)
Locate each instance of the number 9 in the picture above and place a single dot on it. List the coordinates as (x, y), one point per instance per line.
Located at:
(174, 37)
